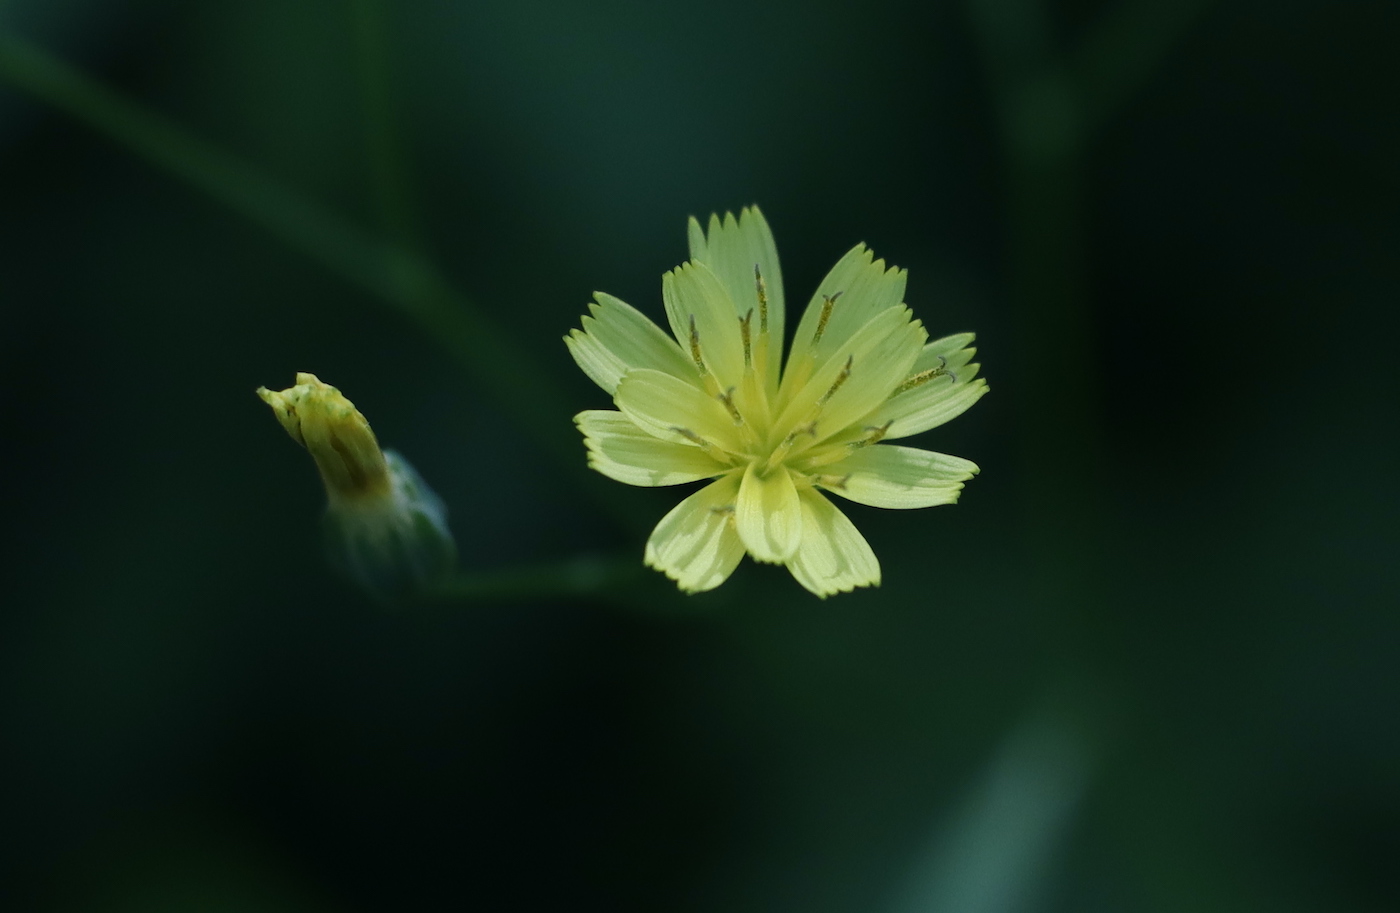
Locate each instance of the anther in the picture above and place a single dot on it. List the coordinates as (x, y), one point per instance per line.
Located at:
(781, 451)
(809, 428)
(762, 288)
(727, 397)
(745, 323)
(695, 346)
(923, 377)
(840, 379)
(695, 439)
(826, 315)
(874, 435)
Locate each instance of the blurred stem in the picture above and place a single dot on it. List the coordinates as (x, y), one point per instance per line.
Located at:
(581, 576)
(391, 272)
(1042, 147)
(383, 136)
(1122, 50)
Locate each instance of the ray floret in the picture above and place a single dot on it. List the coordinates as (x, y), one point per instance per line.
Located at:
(716, 400)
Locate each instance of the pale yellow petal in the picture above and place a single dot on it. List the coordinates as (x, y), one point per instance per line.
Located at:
(928, 406)
(930, 403)
(955, 349)
(695, 235)
(834, 557)
(733, 249)
(866, 368)
(862, 288)
(602, 367)
(703, 315)
(617, 337)
(675, 410)
(620, 450)
(897, 477)
(695, 544)
(768, 515)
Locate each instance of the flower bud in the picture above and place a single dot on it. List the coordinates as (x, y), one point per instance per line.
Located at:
(384, 527)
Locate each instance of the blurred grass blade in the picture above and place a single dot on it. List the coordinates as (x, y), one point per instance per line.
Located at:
(383, 135)
(391, 273)
(294, 221)
(581, 575)
(1121, 51)
(995, 853)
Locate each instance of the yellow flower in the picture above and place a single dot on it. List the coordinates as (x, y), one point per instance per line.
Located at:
(712, 404)
(384, 526)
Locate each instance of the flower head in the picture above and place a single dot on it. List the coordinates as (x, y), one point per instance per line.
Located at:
(384, 526)
(719, 402)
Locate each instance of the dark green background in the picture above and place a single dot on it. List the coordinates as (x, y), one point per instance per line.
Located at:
(1150, 661)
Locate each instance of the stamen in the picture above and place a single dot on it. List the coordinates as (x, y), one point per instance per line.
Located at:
(762, 289)
(923, 377)
(781, 451)
(874, 436)
(727, 397)
(829, 481)
(826, 315)
(695, 346)
(840, 379)
(744, 324)
(696, 439)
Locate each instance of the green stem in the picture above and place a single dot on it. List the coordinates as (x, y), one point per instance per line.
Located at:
(1124, 48)
(1056, 387)
(581, 576)
(383, 136)
(391, 272)
(337, 246)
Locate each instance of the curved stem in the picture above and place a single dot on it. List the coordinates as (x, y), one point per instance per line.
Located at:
(389, 271)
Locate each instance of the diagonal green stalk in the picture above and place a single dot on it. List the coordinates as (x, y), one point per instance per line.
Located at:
(584, 575)
(1124, 48)
(383, 135)
(388, 271)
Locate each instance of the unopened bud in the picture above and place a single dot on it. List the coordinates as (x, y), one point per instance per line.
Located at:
(384, 527)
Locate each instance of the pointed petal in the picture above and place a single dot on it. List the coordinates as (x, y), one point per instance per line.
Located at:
(834, 557)
(928, 406)
(693, 293)
(620, 450)
(674, 410)
(617, 337)
(949, 347)
(865, 287)
(695, 235)
(602, 367)
(732, 250)
(768, 515)
(695, 544)
(879, 357)
(898, 477)
(939, 400)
